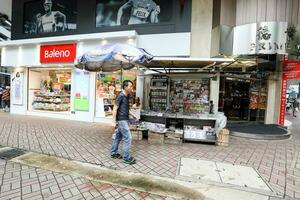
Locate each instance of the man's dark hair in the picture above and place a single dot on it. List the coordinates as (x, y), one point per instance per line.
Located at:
(126, 83)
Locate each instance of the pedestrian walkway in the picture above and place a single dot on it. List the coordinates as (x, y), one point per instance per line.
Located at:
(276, 161)
(24, 182)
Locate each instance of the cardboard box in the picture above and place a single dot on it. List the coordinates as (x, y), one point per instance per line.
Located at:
(136, 134)
(223, 137)
(173, 138)
(224, 131)
(156, 138)
(222, 144)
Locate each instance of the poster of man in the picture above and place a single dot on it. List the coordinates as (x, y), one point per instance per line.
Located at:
(131, 12)
(46, 16)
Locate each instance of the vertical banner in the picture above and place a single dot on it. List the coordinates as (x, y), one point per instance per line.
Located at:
(82, 88)
(17, 88)
(283, 99)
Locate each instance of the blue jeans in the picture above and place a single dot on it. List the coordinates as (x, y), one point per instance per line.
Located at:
(122, 131)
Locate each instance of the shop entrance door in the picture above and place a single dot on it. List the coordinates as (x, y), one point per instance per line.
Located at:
(234, 97)
(243, 99)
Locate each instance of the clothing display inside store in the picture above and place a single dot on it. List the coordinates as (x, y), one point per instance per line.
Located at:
(258, 96)
(234, 98)
(243, 98)
(258, 100)
(54, 90)
(108, 86)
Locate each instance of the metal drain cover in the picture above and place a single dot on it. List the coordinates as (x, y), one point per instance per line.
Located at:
(224, 174)
(11, 153)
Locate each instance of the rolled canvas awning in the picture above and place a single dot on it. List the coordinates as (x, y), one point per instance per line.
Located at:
(176, 64)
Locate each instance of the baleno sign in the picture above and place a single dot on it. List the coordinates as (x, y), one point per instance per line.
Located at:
(62, 53)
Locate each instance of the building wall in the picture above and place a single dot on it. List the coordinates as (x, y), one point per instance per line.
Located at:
(201, 28)
(180, 18)
(250, 11)
(228, 12)
(5, 7)
(153, 44)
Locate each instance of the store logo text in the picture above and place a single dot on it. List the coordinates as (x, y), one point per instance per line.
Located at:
(57, 54)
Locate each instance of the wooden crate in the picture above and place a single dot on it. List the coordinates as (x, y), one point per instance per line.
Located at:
(222, 144)
(173, 135)
(136, 134)
(173, 138)
(224, 131)
(156, 138)
(223, 138)
(173, 141)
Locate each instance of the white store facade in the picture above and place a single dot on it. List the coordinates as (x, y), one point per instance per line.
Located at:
(32, 67)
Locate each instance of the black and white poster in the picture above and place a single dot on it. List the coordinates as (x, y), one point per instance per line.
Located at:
(44, 16)
(129, 12)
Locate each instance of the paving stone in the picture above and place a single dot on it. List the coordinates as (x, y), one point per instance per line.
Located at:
(90, 142)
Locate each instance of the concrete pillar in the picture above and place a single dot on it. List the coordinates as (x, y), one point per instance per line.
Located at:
(215, 41)
(201, 28)
(140, 84)
(146, 92)
(214, 91)
(273, 101)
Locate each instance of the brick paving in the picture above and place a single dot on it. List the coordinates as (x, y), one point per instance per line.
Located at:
(24, 182)
(276, 161)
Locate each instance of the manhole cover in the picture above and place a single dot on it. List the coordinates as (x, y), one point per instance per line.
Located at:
(11, 153)
(218, 173)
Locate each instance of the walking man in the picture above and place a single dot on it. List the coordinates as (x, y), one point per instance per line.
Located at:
(295, 107)
(121, 124)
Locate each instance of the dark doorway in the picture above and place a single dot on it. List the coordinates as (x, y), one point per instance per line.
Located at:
(234, 98)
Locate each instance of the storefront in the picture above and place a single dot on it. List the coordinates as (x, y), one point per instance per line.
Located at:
(49, 89)
(181, 96)
(250, 92)
(243, 97)
(46, 83)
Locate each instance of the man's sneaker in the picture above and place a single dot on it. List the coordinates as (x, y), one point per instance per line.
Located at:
(130, 161)
(116, 156)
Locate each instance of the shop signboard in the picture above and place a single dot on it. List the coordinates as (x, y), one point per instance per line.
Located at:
(290, 70)
(82, 83)
(62, 53)
(260, 38)
(17, 88)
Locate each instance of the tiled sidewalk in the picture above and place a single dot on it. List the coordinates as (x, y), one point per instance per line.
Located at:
(275, 160)
(23, 182)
